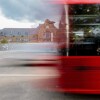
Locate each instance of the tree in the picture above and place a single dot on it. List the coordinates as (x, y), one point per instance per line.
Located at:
(4, 41)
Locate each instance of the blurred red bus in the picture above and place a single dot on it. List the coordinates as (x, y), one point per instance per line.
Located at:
(80, 50)
(78, 70)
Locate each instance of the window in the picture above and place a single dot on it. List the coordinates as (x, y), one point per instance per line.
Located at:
(84, 25)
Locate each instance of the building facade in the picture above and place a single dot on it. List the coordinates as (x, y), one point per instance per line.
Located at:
(46, 32)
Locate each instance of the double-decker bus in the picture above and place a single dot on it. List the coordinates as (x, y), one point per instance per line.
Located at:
(80, 50)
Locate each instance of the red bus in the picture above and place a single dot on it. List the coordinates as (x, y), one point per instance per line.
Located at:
(80, 50)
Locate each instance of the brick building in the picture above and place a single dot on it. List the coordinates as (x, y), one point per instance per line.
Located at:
(46, 32)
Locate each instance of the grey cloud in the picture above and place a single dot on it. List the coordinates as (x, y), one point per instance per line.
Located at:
(29, 9)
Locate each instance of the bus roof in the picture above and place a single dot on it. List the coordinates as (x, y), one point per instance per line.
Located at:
(75, 1)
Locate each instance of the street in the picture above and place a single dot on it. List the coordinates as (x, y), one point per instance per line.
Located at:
(17, 83)
(19, 75)
(24, 90)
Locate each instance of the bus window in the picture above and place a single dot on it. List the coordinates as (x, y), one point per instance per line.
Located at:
(85, 29)
(82, 30)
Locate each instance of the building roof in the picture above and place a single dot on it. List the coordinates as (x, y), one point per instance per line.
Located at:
(17, 31)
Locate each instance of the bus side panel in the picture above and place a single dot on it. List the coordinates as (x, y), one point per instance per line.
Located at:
(80, 73)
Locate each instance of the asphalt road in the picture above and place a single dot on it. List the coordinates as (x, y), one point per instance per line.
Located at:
(26, 91)
(16, 83)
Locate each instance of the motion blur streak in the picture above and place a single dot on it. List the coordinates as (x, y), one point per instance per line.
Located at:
(37, 63)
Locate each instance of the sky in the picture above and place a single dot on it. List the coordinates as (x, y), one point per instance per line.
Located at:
(27, 13)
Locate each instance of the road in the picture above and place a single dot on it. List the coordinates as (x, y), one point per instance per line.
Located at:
(25, 91)
(16, 83)
(17, 79)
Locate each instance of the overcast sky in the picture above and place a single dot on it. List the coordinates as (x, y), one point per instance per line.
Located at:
(27, 13)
